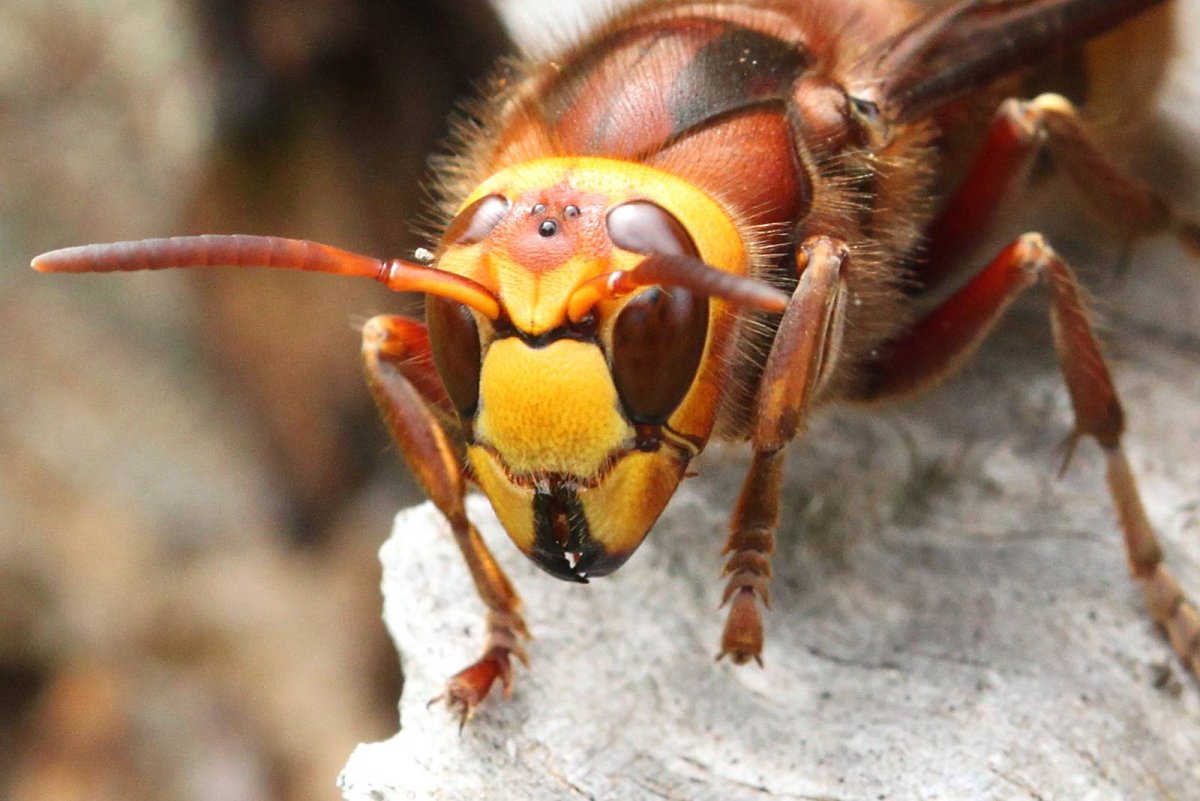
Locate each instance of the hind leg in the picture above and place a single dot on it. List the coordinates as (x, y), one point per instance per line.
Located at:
(950, 333)
(1019, 131)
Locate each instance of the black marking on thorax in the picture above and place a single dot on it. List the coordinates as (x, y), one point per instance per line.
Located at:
(739, 69)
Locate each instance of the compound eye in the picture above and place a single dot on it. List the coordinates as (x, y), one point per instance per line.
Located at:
(645, 227)
(454, 341)
(477, 220)
(658, 340)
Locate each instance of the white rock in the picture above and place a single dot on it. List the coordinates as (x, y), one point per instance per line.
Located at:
(949, 621)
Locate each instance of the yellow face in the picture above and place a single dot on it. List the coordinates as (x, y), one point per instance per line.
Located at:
(579, 430)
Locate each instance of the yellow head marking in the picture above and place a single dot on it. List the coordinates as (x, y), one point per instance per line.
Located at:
(574, 482)
(554, 235)
(551, 409)
(513, 502)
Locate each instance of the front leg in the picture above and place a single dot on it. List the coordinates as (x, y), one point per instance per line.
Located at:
(800, 361)
(405, 384)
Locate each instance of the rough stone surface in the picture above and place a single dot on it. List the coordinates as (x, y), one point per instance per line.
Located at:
(949, 620)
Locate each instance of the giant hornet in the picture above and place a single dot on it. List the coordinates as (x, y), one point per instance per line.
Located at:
(707, 221)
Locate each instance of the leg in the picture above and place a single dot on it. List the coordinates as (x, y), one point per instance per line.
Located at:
(798, 364)
(750, 545)
(1017, 134)
(951, 332)
(402, 379)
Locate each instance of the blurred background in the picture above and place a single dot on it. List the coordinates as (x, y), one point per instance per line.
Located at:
(193, 481)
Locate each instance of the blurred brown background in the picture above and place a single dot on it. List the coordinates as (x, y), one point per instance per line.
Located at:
(193, 482)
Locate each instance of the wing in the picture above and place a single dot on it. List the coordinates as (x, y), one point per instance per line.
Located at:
(972, 43)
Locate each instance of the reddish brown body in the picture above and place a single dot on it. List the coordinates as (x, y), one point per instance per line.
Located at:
(748, 100)
(707, 220)
(745, 101)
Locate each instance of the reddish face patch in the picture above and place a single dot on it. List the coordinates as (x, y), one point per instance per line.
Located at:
(545, 228)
